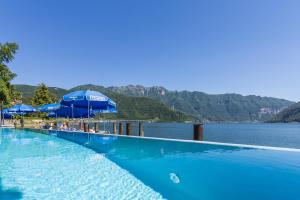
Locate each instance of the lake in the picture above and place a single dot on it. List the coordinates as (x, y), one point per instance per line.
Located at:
(276, 135)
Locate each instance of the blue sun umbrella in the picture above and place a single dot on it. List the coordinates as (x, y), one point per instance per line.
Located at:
(92, 101)
(69, 112)
(49, 107)
(88, 98)
(21, 109)
(7, 114)
(57, 110)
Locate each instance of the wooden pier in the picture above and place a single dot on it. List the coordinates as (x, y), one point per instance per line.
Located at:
(117, 127)
(128, 127)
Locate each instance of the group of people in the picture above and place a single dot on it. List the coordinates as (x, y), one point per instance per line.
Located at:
(49, 126)
(63, 127)
(53, 126)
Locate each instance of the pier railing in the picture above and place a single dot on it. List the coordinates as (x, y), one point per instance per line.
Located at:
(189, 131)
(137, 128)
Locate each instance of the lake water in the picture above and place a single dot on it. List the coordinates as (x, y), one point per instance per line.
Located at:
(276, 135)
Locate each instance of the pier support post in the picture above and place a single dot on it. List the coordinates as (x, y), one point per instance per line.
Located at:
(114, 127)
(22, 122)
(85, 127)
(81, 126)
(141, 129)
(198, 131)
(120, 128)
(96, 127)
(128, 128)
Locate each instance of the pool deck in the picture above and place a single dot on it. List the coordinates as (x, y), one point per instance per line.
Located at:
(181, 140)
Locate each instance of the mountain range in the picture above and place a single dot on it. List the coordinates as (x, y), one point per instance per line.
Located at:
(139, 102)
(290, 114)
(207, 107)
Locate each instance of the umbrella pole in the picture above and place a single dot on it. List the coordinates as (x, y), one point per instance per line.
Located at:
(72, 111)
(72, 115)
(88, 120)
(1, 117)
(88, 110)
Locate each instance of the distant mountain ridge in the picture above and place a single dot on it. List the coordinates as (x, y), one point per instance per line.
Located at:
(206, 107)
(290, 114)
(221, 107)
(28, 91)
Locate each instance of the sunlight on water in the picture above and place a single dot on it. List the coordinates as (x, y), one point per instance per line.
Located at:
(46, 167)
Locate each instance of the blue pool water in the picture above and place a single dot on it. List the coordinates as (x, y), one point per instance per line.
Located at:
(39, 166)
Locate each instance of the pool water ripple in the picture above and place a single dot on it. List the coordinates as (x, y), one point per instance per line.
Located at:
(45, 167)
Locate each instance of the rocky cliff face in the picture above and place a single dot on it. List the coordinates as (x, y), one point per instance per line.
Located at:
(290, 114)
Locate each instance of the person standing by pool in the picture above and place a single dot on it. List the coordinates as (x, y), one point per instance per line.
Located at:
(64, 127)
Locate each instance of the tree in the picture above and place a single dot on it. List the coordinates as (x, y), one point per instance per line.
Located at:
(4, 92)
(42, 96)
(8, 92)
(14, 93)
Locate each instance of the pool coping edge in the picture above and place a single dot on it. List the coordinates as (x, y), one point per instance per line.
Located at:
(186, 141)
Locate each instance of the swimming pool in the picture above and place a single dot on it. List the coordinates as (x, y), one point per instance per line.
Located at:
(40, 166)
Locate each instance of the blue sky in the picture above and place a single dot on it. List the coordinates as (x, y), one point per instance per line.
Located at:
(233, 46)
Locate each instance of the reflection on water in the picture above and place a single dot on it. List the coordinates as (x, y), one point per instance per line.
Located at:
(141, 148)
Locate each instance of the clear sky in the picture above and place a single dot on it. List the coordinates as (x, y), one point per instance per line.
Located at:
(214, 46)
